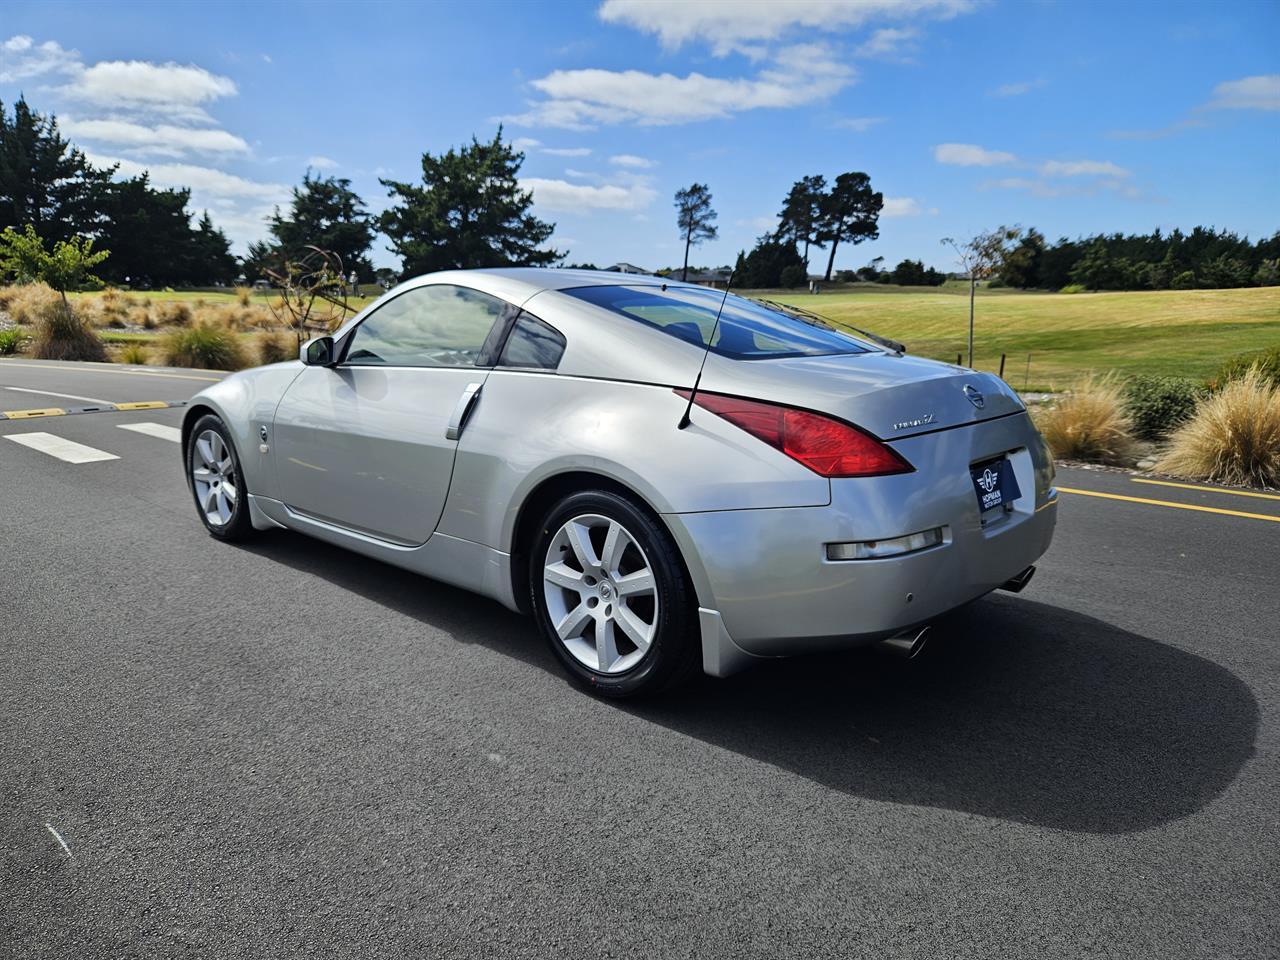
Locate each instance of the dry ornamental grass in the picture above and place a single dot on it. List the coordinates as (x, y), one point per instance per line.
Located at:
(1233, 437)
(1090, 423)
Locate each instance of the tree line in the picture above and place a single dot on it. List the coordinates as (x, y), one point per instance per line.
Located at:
(467, 209)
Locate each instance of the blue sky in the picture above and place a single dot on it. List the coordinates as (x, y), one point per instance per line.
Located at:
(1071, 117)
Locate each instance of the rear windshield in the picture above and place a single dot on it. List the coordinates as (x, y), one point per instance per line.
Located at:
(748, 331)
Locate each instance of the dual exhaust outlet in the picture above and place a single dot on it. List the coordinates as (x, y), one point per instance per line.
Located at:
(909, 643)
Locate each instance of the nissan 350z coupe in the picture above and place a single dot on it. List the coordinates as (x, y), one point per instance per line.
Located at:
(565, 442)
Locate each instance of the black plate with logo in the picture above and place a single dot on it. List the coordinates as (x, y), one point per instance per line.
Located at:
(995, 484)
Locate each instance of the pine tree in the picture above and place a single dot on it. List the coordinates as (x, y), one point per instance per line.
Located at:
(326, 213)
(44, 181)
(468, 211)
(799, 218)
(693, 217)
(849, 213)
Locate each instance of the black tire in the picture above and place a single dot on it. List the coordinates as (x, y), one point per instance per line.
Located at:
(674, 653)
(237, 526)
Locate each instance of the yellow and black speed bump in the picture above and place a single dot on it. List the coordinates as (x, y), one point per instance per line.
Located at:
(99, 408)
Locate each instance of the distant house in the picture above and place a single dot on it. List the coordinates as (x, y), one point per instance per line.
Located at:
(626, 268)
(717, 279)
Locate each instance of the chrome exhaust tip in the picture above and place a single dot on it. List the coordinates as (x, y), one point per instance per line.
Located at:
(1016, 584)
(905, 645)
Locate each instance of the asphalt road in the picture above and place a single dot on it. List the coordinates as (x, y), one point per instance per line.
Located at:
(287, 750)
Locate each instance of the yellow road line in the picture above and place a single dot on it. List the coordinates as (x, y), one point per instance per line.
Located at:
(1170, 503)
(1192, 486)
(108, 368)
(142, 405)
(28, 414)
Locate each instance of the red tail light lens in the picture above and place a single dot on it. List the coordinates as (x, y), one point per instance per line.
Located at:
(829, 447)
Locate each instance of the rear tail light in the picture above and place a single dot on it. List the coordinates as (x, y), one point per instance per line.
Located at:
(829, 447)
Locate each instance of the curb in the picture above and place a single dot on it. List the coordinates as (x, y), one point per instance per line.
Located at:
(98, 408)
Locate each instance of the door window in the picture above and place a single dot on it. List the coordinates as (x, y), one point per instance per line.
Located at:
(434, 326)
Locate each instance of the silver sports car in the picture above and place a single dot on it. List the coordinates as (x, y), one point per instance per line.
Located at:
(666, 477)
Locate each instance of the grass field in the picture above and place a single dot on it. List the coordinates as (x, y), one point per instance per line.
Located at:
(1179, 332)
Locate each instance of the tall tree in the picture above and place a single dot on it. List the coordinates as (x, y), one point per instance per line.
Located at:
(148, 232)
(982, 256)
(849, 213)
(326, 213)
(801, 212)
(214, 262)
(468, 211)
(44, 180)
(694, 216)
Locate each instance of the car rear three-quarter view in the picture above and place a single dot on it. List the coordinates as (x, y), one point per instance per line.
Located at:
(667, 478)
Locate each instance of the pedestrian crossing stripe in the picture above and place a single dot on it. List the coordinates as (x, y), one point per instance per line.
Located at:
(96, 408)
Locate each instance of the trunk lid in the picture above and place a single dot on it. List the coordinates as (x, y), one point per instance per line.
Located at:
(889, 396)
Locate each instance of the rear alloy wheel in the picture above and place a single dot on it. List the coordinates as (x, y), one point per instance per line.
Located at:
(611, 596)
(216, 480)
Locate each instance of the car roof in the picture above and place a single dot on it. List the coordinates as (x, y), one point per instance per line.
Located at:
(518, 284)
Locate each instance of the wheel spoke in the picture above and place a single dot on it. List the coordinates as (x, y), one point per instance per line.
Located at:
(606, 645)
(571, 624)
(202, 474)
(211, 501)
(224, 511)
(562, 575)
(635, 628)
(580, 541)
(205, 449)
(615, 545)
(640, 582)
(230, 491)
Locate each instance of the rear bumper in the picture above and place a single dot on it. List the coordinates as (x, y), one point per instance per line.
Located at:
(766, 575)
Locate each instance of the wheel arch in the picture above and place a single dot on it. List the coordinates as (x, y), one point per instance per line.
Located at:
(551, 490)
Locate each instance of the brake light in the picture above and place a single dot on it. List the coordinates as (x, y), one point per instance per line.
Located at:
(829, 447)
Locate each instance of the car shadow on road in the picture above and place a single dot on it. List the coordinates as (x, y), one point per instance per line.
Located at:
(1017, 709)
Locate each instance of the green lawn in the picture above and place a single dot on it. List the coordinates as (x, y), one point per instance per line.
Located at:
(1181, 332)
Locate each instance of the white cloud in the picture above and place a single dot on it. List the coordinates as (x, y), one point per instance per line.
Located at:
(21, 58)
(1015, 89)
(525, 143)
(730, 25)
(1250, 93)
(901, 207)
(208, 180)
(567, 151)
(1082, 168)
(762, 224)
(160, 140)
(579, 99)
(321, 163)
(1040, 187)
(167, 88)
(970, 155)
(631, 160)
(890, 43)
(565, 197)
(858, 124)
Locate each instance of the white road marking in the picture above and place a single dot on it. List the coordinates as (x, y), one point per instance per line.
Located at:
(67, 450)
(154, 430)
(65, 396)
(62, 843)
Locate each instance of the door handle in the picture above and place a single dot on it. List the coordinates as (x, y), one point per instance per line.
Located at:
(462, 411)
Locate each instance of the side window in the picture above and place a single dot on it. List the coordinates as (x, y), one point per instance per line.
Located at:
(532, 343)
(436, 326)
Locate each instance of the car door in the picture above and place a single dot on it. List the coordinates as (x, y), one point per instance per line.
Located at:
(369, 443)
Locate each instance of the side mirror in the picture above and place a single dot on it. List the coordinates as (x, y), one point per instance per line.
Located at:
(318, 352)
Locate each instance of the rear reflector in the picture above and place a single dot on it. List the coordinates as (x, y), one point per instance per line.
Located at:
(828, 447)
(879, 549)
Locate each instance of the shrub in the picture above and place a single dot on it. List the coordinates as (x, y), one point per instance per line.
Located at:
(1089, 423)
(274, 347)
(1156, 405)
(793, 275)
(1234, 436)
(1073, 288)
(31, 301)
(1266, 361)
(11, 341)
(242, 295)
(173, 313)
(203, 346)
(1186, 280)
(62, 334)
(995, 283)
(134, 353)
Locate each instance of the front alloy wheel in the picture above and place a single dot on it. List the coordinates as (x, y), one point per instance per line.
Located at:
(217, 480)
